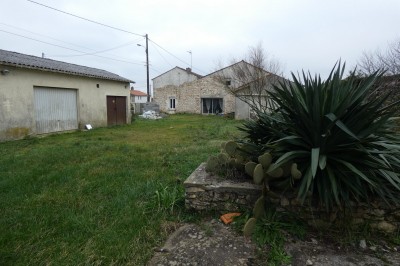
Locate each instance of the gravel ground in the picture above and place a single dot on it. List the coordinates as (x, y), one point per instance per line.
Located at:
(213, 243)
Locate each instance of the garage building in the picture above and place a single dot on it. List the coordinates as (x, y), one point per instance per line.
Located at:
(40, 95)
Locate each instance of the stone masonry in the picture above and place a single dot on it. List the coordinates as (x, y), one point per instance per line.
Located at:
(188, 96)
(205, 191)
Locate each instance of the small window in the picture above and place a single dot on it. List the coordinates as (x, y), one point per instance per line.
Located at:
(228, 82)
(172, 103)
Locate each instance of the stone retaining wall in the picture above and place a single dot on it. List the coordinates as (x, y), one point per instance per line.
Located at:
(206, 192)
(203, 191)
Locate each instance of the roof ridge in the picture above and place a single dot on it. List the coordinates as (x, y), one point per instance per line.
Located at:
(35, 62)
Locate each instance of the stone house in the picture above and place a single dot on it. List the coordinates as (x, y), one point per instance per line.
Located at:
(40, 95)
(211, 94)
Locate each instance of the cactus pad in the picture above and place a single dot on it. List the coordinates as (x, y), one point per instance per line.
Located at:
(258, 174)
(265, 160)
(259, 208)
(249, 227)
(212, 164)
(249, 168)
(275, 173)
(223, 158)
(230, 147)
(296, 174)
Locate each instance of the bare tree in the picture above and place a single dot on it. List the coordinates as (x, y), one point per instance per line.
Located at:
(388, 61)
(251, 78)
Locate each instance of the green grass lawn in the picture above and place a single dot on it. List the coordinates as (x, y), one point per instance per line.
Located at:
(100, 196)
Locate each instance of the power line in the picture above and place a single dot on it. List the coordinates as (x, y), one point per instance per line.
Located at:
(18, 28)
(165, 50)
(114, 28)
(155, 48)
(60, 46)
(101, 51)
(62, 41)
(174, 55)
(92, 21)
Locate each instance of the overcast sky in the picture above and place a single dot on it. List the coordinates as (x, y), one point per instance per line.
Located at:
(302, 34)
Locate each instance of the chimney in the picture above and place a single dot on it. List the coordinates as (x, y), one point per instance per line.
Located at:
(188, 70)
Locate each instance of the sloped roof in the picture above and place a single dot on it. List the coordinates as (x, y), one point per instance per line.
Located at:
(190, 72)
(236, 63)
(138, 93)
(45, 64)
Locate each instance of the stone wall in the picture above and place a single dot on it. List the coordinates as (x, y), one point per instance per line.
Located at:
(188, 96)
(207, 192)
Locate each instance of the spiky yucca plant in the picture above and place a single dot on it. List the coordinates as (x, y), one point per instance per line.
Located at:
(345, 146)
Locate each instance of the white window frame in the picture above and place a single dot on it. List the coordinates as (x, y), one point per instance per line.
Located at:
(172, 103)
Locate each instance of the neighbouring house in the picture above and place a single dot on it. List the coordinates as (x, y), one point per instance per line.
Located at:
(138, 96)
(40, 95)
(175, 77)
(211, 94)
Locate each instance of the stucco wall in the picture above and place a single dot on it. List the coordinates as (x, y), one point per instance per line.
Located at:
(242, 109)
(188, 96)
(138, 99)
(174, 77)
(17, 113)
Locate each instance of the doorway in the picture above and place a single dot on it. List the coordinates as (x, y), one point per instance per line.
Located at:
(116, 110)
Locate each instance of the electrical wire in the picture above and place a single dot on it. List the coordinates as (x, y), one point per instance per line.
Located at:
(165, 50)
(155, 48)
(115, 28)
(39, 34)
(175, 56)
(71, 49)
(76, 45)
(99, 52)
(92, 21)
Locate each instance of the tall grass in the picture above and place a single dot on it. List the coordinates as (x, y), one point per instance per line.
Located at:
(100, 196)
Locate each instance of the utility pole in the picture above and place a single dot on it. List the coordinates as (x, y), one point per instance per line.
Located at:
(147, 67)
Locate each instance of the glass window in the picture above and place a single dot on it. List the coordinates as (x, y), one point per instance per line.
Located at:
(212, 105)
(172, 103)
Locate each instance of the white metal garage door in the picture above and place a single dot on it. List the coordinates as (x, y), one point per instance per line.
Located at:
(55, 109)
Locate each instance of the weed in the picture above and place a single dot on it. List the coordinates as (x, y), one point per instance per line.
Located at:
(208, 231)
(169, 198)
(270, 231)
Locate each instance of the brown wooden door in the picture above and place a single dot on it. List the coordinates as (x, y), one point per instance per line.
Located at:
(116, 110)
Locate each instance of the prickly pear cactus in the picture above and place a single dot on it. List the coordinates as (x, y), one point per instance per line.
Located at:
(230, 156)
(263, 173)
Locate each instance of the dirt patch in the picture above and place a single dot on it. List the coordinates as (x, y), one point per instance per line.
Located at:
(213, 243)
(321, 252)
(210, 243)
